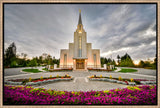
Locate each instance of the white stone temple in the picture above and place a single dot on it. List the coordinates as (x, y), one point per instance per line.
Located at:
(80, 54)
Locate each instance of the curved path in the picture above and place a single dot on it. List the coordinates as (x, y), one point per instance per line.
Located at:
(81, 83)
(143, 71)
(17, 71)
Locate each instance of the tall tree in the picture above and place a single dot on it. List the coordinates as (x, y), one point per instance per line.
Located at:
(155, 62)
(102, 61)
(141, 64)
(10, 55)
(118, 57)
(40, 59)
(113, 62)
(33, 63)
(126, 61)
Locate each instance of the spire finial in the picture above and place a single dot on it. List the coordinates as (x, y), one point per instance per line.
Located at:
(80, 20)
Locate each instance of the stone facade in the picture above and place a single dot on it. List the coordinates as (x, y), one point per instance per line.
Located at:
(80, 54)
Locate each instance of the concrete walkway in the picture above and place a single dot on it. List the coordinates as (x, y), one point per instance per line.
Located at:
(80, 82)
(118, 69)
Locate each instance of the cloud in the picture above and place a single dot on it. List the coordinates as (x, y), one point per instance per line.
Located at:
(112, 28)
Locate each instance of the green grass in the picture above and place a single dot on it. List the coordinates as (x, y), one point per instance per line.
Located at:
(45, 69)
(125, 70)
(31, 70)
(114, 69)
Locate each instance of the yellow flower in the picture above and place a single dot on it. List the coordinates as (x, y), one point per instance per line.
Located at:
(106, 91)
(67, 75)
(41, 77)
(13, 87)
(117, 89)
(120, 78)
(19, 86)
(30, 79)
(133, 88)
(132, 80)
(100, 76)
(152, 87)
(50, 76)
(92, 76)
(110, 76)
(57, 75)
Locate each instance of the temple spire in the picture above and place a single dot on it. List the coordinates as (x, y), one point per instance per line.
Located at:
(80, 20)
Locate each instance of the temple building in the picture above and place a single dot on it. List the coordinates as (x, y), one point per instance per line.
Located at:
(80, 54)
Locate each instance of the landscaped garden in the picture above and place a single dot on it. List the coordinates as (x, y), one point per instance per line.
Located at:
(138, 95)
(125, 70)
(45, 69)
(61, 70)
(101, 70)
(121, 80)
(38, 81)
(32, 70)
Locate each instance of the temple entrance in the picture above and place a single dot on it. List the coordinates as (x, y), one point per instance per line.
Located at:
(80, 64)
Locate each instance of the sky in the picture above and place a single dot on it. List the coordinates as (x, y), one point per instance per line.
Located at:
(115, 29)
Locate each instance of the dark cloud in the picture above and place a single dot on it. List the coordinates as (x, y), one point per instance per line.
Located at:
(112, 28)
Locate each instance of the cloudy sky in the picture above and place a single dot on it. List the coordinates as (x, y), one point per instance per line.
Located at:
(112, 28)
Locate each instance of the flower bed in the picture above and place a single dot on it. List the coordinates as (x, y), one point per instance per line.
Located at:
(122, 81)
(91, 69)
(38, 80)
(60, 70)
(131, 95)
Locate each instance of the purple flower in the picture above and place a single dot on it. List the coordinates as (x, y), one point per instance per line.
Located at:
(25, 95)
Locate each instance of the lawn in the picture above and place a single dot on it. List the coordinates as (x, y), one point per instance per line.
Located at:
(114, 69)
(125, 70)
(45, 69)
(31, 70)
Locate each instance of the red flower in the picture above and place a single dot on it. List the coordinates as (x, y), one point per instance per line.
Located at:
(126, 82)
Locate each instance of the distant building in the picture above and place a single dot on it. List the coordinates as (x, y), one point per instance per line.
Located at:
(80, 54)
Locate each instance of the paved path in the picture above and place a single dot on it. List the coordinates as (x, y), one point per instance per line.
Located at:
(81, 83)
(16, 71)
(143, 71)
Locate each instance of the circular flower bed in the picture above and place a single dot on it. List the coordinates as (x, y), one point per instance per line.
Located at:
(36, 81)
(122, 81)
(131, 95)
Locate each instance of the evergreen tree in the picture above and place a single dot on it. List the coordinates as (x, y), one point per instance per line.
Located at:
(113, 62)
(105, 61)
(40, 60)
(141, 64)
(126, 61)
(118, 57)
(33, 63)
(155, 63)
(10, 55)
(102, 61)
